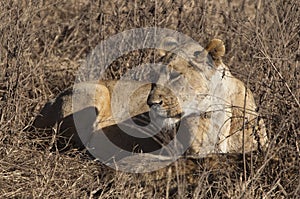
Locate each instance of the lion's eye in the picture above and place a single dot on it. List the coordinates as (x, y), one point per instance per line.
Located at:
(197, 53)
(174, 74)
(199, 56)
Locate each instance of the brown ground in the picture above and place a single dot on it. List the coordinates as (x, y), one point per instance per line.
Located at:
(42, 44)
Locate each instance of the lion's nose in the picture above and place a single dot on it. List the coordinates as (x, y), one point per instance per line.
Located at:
(154, 100)
(154, 103)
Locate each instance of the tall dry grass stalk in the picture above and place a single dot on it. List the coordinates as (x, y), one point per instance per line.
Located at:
(42, 43)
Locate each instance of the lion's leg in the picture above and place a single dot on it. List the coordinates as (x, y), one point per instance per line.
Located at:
(247, 132)
(195, 129)
(209, 133)
(76, 109)
(96, 96)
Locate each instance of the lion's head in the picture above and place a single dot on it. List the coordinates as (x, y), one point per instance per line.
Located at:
(186, 80)
(196, 88)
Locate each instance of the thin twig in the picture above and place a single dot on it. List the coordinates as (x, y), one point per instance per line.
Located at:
(281, 77)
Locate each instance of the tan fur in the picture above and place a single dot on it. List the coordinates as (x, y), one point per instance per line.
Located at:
(91, 105)
(216, 50)
(215, 112)
(197, 89)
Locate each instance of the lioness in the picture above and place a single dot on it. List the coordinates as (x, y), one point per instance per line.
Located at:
(216, 110)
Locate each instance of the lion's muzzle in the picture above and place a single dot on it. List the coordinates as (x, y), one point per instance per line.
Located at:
(164, 102)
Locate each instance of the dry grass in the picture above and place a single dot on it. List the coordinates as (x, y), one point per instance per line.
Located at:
(42, 44)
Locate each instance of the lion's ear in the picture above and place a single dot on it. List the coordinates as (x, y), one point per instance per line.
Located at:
(167, 44)
(216, 50)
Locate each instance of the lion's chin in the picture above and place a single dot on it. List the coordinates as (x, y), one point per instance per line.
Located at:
(164, 120)
(170, 123)
(162, 114)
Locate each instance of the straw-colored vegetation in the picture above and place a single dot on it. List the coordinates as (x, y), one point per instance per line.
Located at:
(42, 44)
